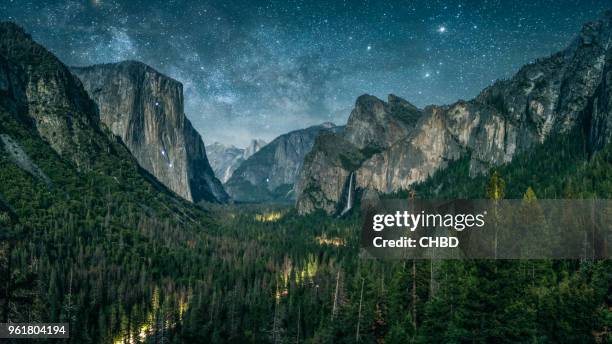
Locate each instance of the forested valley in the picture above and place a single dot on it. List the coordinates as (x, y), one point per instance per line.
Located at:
(111, 257)
(90, 238)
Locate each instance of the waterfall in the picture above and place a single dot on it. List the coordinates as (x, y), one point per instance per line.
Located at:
(350, 196)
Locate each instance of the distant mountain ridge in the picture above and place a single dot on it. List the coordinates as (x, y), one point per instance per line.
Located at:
(224, 160)
(145, 108)
(270, 173)
(390, 145)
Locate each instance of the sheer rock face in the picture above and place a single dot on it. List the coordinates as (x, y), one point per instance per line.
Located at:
(270, 174)
(145, 109)
(378, 124)
(224, 160)
(550, 96)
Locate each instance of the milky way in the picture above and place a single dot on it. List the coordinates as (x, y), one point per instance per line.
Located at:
(254, 69)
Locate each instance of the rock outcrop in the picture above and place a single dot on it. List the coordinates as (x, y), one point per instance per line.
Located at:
(47, 116)
(224, 160)
(145, 109)
(391, 145)
(18, 156)
(40, 90)
(270, 174)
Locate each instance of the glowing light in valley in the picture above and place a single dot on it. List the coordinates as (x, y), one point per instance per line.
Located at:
(268, 217)
(151, 323)
(333, 241)
(309, 271)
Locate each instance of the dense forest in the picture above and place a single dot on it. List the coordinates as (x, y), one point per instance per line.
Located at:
(124, 261)
(112, 220)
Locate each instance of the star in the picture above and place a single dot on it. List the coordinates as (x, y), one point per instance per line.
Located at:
(306, 65)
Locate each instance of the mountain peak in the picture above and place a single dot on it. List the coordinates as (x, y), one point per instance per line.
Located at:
(598, 31)
(127, 66)
(254, 146)
(63, 113)
(548, 97)
(394, 100)
(367, 100)
(270, 173)
(145, 108)
(9, 28)
(225, 159)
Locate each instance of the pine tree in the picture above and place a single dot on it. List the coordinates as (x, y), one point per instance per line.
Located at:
(496, 191)
(496, 187)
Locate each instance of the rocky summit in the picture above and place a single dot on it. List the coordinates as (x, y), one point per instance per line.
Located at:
(224, 160)
(145, 109)
(270, 174)
(387, 146)
(40, 91)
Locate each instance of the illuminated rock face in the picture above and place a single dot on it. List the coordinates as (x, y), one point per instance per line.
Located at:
(391, 145)
(145, 109)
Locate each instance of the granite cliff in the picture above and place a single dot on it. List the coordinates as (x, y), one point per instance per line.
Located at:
(52, 140)
(145, 109)
(224, 160)
(387, 146)
(270, 174)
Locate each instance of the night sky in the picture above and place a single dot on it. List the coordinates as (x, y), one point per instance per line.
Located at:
(256, 69)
